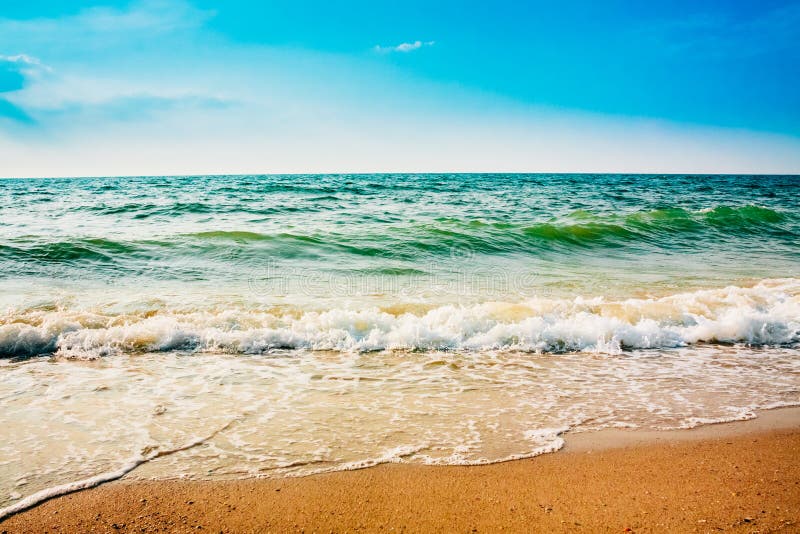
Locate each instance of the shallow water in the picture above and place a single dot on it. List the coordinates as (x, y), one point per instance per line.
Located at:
(284, 325)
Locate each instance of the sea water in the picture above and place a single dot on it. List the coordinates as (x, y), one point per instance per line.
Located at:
(232, 326)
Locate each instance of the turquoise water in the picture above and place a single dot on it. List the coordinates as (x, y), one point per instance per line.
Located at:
(127, 249)
(576, 227)
(230, 326)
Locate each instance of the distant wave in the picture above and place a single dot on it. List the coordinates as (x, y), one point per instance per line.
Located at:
(656, 229)
(765, 314)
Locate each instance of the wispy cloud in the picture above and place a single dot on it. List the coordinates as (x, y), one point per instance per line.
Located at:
(14, 73)
(13, 112)
(153, 89)
(34, 93)
(20, 58)
(97, 28)
(403, 47)
(135, 107)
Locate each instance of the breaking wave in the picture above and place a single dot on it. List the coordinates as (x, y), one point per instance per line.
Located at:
(767, 313)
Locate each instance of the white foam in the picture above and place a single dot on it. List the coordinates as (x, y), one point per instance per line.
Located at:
(146, 455)
(306, 412)
(737, 414)
(549, 440)
(765, 314)
(393, 455)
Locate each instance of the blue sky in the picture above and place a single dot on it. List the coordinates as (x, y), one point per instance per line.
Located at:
(180, 86)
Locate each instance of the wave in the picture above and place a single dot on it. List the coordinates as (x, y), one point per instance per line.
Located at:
(230, 235)
(662, 229)
(765, 314)
(146, 455)
(147, 210)
(583, 227)
(93, 250)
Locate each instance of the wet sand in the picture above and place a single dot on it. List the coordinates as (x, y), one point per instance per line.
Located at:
(740, 477)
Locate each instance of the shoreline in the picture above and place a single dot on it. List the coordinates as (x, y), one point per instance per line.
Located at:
(667, 472)
(766, 420)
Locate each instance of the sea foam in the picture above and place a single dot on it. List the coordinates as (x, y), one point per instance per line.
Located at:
(767, 313)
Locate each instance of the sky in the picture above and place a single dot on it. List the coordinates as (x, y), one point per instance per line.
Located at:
(157, 87)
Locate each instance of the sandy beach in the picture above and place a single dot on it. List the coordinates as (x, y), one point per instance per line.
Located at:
(430, 267)
(739, 477)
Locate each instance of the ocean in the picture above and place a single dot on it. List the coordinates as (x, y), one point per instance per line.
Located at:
(237, 326)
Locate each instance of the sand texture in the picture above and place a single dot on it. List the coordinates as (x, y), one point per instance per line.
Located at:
(715, 479)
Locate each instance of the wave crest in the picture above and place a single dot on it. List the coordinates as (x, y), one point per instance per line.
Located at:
(765, 314)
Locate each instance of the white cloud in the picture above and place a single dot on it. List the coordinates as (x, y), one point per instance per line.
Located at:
(88, 47)
(29, 66)
(21, 58)
(151, 90)
(403, 47)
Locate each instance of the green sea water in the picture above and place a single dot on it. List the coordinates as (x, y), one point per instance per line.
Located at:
(289, 245)
(230, 326)
(223, 228)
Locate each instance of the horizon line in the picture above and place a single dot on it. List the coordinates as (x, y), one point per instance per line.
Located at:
(387, 173)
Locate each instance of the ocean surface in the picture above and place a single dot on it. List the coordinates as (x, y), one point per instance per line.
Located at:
(231, 326)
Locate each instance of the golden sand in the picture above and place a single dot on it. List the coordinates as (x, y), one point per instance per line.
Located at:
(740, 477)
